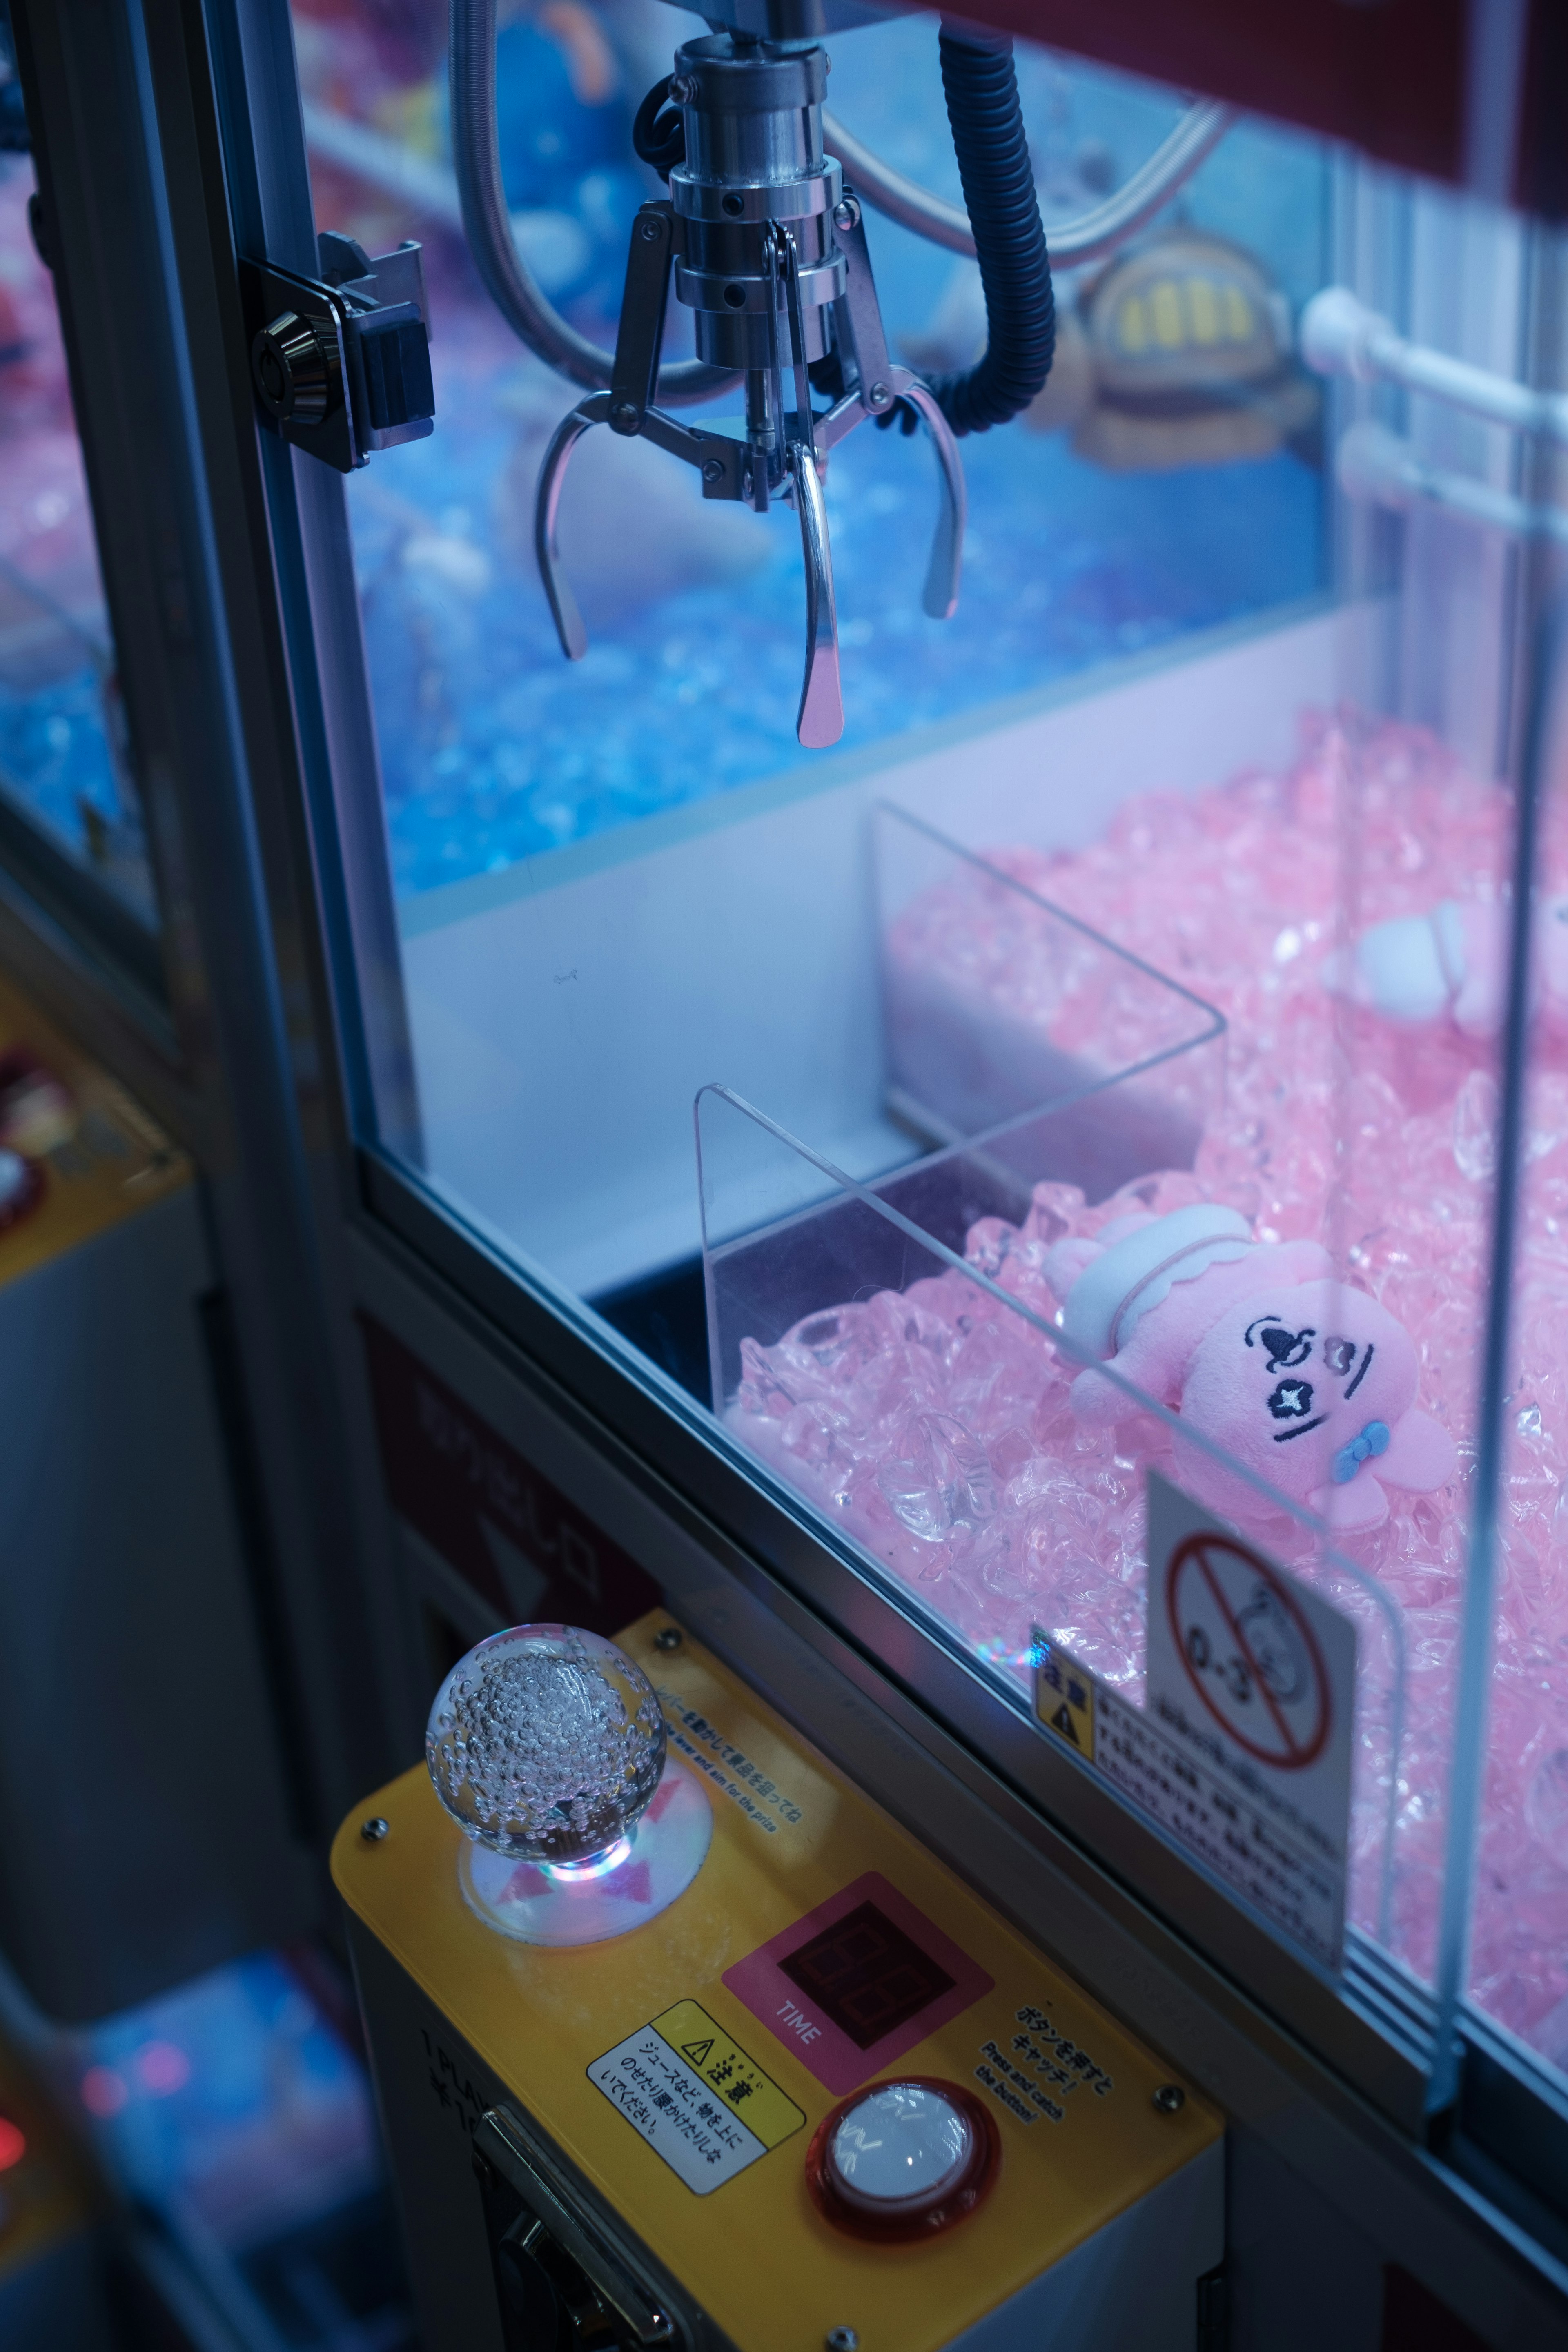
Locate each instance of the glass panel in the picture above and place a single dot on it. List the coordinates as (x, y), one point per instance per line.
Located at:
(1212, 766)
(1518, 1957)
(64, 756)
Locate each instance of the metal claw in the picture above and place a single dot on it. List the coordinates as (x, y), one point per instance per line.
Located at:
(568, 621)
(940, 595)
(721, 462)
(820, 720)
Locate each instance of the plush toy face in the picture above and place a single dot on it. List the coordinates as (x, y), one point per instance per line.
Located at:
(1313, 1388)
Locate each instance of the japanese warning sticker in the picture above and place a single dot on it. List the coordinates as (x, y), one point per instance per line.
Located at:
(1242, 1751)
(695, 2096)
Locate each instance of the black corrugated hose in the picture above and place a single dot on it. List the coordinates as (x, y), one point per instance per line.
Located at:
(981, 92)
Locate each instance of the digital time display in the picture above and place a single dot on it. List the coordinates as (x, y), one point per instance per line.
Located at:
(865, 1975)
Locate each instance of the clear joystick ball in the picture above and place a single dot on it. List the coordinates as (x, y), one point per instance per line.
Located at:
(547, 1746)
(546, 1743)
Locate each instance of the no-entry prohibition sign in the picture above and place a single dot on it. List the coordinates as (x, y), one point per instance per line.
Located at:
(1247, 1650)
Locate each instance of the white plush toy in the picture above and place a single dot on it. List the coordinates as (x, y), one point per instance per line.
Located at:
(1452, 963)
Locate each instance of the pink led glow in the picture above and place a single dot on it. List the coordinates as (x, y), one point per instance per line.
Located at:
(103, 2091)
(13, 2144)
(935, 1427)
(162, 2068)
(595, 1865)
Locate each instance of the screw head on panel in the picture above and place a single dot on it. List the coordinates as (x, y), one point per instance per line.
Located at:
(623, 417)
(847, 214)
(878, 397)
(843, 2339)
(670, 1637)
(374, 1830)
(648, 230)
(1170, 2098)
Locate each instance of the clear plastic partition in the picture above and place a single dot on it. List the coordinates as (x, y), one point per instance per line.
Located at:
(1143, 953)
(999, 1007)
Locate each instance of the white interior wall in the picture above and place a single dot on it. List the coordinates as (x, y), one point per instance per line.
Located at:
(565, 1013)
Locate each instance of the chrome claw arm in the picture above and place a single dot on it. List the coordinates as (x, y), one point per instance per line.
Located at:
(721, 462)
(568, 621)
(940, 595)
(820, 720)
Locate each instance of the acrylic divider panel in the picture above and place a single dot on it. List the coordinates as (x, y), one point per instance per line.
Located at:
(997, 1004)
(926, 1401)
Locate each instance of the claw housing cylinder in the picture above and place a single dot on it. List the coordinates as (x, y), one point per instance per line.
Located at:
(752, 112)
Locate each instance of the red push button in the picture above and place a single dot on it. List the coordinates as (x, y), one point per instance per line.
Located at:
(902, 2160)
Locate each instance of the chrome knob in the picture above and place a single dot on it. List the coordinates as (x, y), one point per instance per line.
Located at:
(292, 373)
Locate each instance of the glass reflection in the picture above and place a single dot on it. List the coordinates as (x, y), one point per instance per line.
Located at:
(64, 756)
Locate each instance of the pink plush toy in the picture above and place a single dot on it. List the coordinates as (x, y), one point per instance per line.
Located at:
(1310, 1384)
(1452, 963)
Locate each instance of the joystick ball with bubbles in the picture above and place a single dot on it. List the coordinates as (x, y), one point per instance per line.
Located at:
(547, 1746)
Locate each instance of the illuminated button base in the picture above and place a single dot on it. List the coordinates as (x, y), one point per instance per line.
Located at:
(643, 1875)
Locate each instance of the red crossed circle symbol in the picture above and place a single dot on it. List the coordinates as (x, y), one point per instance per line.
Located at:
(1197, 1555)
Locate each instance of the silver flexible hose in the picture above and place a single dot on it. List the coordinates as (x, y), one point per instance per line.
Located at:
(510, 284)
(1088, 238)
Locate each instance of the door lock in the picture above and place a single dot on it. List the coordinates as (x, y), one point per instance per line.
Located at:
(341, 363)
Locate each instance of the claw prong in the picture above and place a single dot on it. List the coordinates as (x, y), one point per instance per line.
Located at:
(563, 610)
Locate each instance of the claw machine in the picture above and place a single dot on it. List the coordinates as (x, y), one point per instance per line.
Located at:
(894, 687)
(176, 1512)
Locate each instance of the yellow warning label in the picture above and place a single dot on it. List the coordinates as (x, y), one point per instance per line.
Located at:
(741, 2085)
(1064, 1695)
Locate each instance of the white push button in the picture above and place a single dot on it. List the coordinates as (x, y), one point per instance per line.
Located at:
(899, 2150)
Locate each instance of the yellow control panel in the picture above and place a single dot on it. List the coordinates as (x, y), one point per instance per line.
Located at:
(77, 1155)
(684, 2068)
